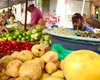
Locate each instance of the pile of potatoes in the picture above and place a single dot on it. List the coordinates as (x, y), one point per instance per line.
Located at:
(25, 65)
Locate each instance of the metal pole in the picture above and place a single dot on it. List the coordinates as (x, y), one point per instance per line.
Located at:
(8, 3)
(83, 5)
(8, 8)
(26, 15)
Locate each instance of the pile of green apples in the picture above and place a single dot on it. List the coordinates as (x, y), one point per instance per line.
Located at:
(36, 35)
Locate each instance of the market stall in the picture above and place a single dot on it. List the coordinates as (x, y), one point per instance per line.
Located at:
(53, 53)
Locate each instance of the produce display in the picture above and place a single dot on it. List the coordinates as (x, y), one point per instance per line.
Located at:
(30, 67)
(87, 34)
(7, 47)
(63, 31)
(35, 35)
(24, 65)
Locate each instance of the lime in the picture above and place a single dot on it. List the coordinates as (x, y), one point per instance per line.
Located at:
(5, 38)
(7, 35)
(27, 37)
(14, 37)
(18, 39)
(17, 33)
(24, 34)
(22, 39)
(32, 40)
(10, 38)
(19, 36)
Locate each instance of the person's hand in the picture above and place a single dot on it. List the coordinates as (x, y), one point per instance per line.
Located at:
(92, 0)
(3, 28)
(96, 3)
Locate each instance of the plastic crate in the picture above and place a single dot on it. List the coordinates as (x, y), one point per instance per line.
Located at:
(75, 44)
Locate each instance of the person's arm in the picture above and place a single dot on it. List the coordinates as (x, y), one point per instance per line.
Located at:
(92, 22)
(3, 28)
(34, 20)
(95, 2)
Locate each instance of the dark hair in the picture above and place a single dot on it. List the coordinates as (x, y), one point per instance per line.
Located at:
(76, 16)
(32, 5)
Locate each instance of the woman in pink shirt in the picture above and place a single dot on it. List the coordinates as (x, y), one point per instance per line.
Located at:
(36, 14)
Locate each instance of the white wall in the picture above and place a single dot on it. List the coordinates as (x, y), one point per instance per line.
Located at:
(53, 5)
(66, 10)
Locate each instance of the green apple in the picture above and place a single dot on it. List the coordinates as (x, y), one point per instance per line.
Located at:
(32, 35)
(34, 31)
(42, 40)
(50, 42)
(43, 32)
(46, 43)
(47, 37)
(39, 28)
(37, 36)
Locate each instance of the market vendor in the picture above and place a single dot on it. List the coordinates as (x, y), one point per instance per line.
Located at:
(36, 14)
(78, 23)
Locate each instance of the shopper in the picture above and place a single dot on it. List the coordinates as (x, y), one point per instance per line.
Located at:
(36, 14)
(9, 14)
(78, 23)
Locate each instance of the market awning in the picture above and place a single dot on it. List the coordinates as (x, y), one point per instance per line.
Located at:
(4, 3)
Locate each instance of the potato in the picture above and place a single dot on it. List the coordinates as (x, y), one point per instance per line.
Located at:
(39, 61)
(31, 70)
(50, 56)
(58, 73)
(5, 60)
(50, 67)
(2, 72)
(22, 78)
(4, 77)
(44, 75)
(13, 68)
(15, 54)
(53, 78)
(25, 55)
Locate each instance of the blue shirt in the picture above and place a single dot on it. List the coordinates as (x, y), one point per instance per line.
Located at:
(88, 28)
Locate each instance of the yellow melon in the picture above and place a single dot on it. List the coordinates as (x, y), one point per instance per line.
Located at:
(82, 65)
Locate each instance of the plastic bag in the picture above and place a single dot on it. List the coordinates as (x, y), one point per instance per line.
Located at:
(62, 52)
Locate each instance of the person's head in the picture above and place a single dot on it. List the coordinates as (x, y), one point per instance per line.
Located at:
(30, 7)
(77, 21)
